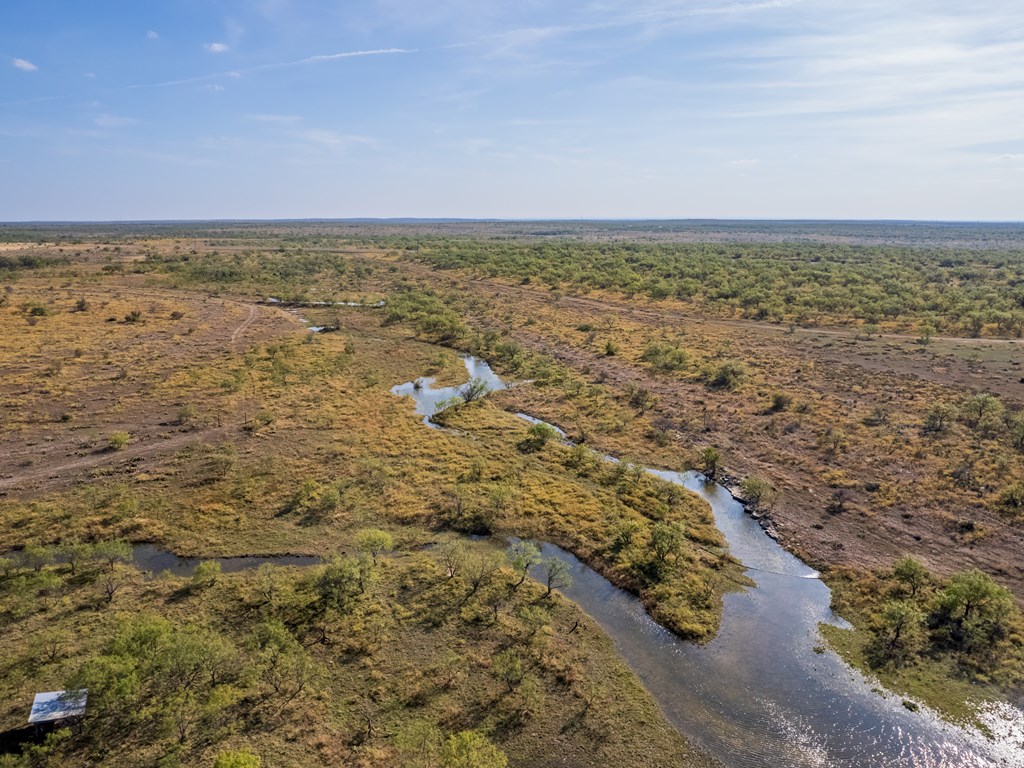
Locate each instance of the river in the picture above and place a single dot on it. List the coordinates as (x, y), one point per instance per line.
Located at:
(766, 692)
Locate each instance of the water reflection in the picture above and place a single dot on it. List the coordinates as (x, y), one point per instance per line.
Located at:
(764, 692)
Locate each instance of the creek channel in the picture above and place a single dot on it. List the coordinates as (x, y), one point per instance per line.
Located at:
(765, 692)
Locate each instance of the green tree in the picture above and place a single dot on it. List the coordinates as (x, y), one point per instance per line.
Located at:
(976, 609)
(36, 557)
(728, 375)
(523, 555)
(911, 574)
(709, 461)
(759, 493)
(73, 551)
(899, 630)
(537, 436)
(113, 551)
(474, 389)
(237, 758)
(469, 749)
(1012, 498)
(374, 542)
(283, 666)
(205, 574)
(557, 575)
(982, 411)
(667, 540)
(338, 584)
(938, 419)
(508, 667)
(418, 744)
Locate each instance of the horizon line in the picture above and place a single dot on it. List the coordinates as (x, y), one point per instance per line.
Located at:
(504, 220)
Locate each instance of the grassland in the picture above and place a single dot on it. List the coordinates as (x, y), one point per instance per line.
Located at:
(246, 435)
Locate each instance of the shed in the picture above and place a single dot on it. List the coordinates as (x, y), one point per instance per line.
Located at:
(53, 706)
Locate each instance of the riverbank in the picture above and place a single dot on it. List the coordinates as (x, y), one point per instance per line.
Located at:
(703, 689)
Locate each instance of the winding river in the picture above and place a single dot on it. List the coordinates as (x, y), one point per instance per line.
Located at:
(765, 692)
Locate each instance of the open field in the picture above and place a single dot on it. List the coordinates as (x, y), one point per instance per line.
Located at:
(152, 394)
(245, 434)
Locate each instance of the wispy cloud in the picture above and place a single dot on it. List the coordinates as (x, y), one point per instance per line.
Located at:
(322, 57)
(217, 47)
(237, 73)
(24, 65)
(151, 35)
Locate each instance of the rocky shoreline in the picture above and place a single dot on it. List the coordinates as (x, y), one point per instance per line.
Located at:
(763, 517)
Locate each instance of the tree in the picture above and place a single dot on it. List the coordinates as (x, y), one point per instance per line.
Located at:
(899, 630)
(479, 569)
(240, 758)
(759, 493)
(728, 375)
(642, 399)
(523, 555)
(374, 542)
(282, 663)
(709, 461)
(113, 551)
(338, 584)
(186, 414)
(118, 440)
(35, 556)
(205, 574)
(453, 558)
(469, 749)
(557, 575)
(508, 667)
(537, 437)
(73, 551)
(937, 420)
(623, 535)
(833, 440)
(535, 617)
(667, 539)
(474, 389)
(1012, 498)
(911, 574)
(111, 584)
(418, 744)
(976, 609)
(982, 410)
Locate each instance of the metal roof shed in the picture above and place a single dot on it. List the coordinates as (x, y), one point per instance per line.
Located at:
(58, 705)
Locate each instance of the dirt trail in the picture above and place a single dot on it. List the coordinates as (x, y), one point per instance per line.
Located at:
(53, 464)
(612, 305)
(243, 327)
(58, 471)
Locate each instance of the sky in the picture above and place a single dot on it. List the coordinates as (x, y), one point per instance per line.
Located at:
(206, 109)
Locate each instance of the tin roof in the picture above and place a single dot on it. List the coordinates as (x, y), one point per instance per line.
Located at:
(58, 705)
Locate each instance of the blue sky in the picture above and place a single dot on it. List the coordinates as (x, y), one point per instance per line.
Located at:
(528, 109)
